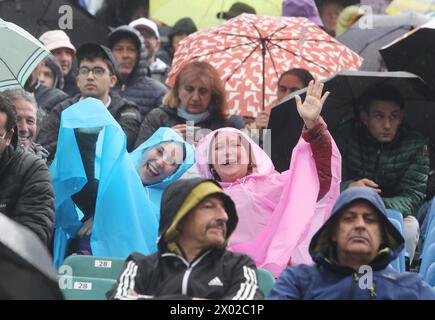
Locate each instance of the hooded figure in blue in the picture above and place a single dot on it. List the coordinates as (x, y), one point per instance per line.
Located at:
(125, 219)
(352, 252)
(161, 160)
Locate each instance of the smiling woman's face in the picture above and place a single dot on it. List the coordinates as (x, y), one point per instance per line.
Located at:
(358, 232)
(160, 162)
(195, 96)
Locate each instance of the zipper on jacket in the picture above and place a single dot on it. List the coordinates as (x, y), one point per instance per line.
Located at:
(352, 287)
(186, 280)
(373, 291)
(123, 88)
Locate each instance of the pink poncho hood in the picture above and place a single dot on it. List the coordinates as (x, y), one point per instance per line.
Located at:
(277, 212)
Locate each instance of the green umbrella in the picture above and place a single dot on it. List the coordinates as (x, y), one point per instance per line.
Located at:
(19, 55)
(203, 12)
(346, 88)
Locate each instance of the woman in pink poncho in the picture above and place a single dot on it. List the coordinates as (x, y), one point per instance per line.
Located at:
(278, 213)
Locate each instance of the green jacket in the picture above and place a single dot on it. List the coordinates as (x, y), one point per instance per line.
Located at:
(400, 167)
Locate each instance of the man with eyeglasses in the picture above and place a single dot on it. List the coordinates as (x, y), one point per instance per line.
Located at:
(352, 253)
(46, 98)
(64, 52)
(97, 75)
(380, 151)
(26, 194)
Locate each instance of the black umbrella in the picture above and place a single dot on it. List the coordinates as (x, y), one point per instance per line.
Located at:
(36, 17)
(346, 88)
(26, 268)
(415, 52)
(366, 41)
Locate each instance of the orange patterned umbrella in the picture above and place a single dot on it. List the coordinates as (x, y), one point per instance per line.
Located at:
(250, 52)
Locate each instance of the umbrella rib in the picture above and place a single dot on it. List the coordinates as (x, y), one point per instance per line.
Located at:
(21, 73)
(225, 49)
(298, 55)
(269, 38)
(258, 31)
(42, 17)
(264, 42)
(250, 37)
(270, 41)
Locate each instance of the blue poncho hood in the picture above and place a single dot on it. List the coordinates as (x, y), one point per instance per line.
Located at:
(154, 192)
(125, 219)
(160, 136)
(322, 250)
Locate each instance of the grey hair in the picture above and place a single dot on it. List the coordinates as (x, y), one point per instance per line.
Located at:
(17, 94)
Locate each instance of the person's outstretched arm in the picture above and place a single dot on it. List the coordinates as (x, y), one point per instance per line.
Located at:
(244, 281)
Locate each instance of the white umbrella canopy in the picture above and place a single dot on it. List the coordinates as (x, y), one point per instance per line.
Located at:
(413, 52)
(250, 52)
(19, 55)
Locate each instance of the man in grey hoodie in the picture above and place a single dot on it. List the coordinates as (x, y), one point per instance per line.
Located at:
(133, 81)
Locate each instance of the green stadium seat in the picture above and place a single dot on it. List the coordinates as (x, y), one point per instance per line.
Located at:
(83, 288)
(430, 275)
(265, 280)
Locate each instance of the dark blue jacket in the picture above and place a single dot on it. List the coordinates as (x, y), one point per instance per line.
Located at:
(328, 280)
(144, 91)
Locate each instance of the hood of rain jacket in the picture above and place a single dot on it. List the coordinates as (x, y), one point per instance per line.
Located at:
(124, 219)
(174, 197)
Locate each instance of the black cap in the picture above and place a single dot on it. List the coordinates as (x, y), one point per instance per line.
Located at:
(235, 10)
(123, 32)
(95, 47)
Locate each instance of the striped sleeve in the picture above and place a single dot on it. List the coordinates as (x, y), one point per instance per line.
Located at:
(244, 282)
(319, 139)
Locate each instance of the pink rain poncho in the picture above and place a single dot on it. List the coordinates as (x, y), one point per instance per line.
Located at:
(279, 213)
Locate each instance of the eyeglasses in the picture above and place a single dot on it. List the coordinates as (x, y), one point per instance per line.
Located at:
(96, 71)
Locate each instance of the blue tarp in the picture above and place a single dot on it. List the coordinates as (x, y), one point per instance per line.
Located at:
(126, 213)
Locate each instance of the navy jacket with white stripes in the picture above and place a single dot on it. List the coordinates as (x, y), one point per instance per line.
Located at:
(216, 274)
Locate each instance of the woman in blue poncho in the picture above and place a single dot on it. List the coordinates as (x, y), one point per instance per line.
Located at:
(126, 214)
